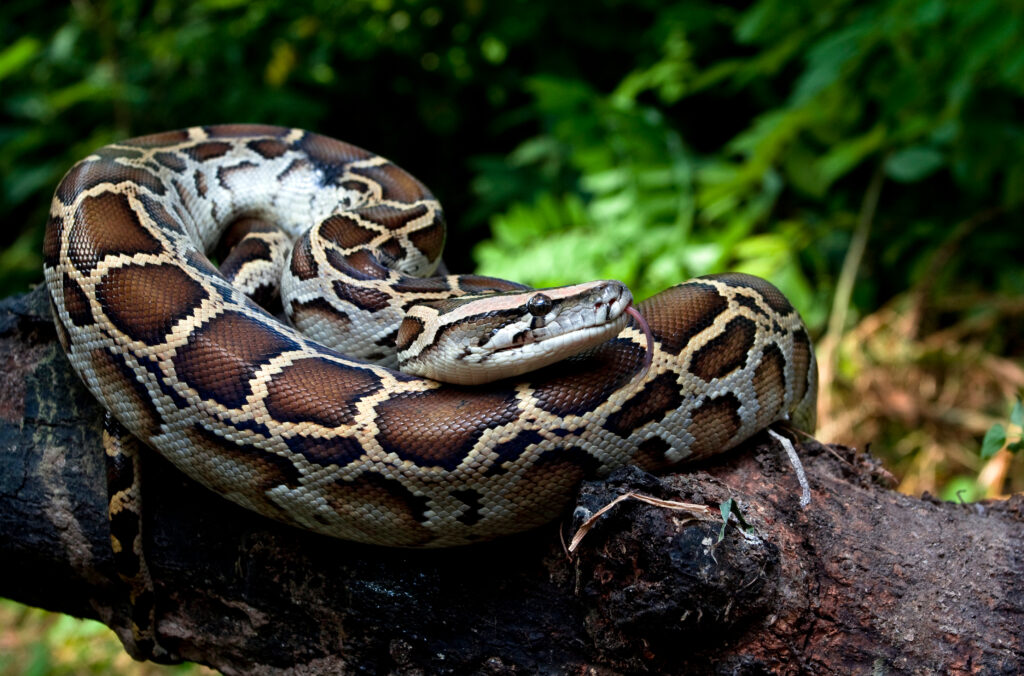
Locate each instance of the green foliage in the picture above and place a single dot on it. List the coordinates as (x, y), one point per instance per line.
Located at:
(38, 643)
(644, 141)
(996, 437)
(426, 83)
(801, 103)
(730, 138)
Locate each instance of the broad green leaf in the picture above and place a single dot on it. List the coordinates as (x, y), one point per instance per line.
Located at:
(847, 155)
(914, 163)
(1017, 415)
(994, 440)
(15, 56)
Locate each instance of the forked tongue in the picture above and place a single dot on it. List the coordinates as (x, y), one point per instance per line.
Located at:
(642, 323)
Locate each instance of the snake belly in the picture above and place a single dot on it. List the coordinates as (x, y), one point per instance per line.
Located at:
(289, 427)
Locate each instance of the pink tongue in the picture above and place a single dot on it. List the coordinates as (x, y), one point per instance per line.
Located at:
(649, 354)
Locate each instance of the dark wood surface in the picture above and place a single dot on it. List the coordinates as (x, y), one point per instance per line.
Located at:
(862, 580)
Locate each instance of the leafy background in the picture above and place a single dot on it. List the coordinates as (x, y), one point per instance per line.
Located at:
(866, 156)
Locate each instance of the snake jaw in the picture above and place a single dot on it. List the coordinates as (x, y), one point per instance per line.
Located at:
(503, 335)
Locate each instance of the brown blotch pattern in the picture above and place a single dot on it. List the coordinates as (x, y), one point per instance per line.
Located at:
(395, 184)
(248, 250)
(430, 238)
(726, 352)
(207, 150)
(392, 218)
(225, 174)
(294, 165)
(156, 211)
(802, 364)
(770, 385)
(239, 130)
(408, 331)
(323, 150)
(439, 427)
(146, 301)
(358, 265)
(303, 265)
(329, 451)
(91, 173)
(394, 505)
(581, 384)
(268, 148)
(659, 396)
(104, 225)
(166, 138)
(678, 314)
(367, 299)
(199, 178)
(472, 284)
(319, 391)
(222, 355)
(750, 304)
(237, 231)
(317, 309)
(172, 161)
(771, 295)
(76, 303)
(198, 261)
(345, 231)
(650, 454)
(115, 375)
(713, 425)
(391, 250)
(52, 240)
(421, 285)
(548, 485)
(261, 470)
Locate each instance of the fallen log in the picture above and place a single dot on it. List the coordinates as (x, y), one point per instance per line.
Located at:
(863, 579)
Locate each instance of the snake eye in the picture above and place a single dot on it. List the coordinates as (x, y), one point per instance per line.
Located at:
(539, 305)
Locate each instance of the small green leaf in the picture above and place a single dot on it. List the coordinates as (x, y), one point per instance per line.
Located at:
(913, 164)
(726, 509)
(1016, 446)
(17, 55)
(1017, 415)
(994, 440)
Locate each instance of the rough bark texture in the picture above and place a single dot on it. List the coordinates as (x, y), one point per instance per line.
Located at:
(864, 579)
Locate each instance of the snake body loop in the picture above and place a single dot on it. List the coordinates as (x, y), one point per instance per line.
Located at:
(316, 429)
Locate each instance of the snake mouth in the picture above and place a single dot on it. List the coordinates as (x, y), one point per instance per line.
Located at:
(597, 312)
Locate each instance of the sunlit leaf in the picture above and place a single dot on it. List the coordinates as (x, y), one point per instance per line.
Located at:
(16, 55)
(994, 440)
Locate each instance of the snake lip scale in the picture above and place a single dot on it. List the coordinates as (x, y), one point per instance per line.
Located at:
(316, 428)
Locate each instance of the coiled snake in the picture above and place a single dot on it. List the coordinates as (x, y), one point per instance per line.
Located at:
(317, 429)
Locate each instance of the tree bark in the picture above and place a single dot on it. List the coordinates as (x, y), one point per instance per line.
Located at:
(864, 579)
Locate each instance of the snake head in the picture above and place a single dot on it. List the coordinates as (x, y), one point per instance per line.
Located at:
(476, 339)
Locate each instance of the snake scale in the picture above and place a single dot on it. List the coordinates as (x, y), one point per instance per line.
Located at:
(318, 429)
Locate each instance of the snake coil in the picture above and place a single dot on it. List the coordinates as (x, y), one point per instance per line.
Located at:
(316, 429)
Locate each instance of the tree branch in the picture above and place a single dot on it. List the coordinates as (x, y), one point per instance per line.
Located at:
(863, 579)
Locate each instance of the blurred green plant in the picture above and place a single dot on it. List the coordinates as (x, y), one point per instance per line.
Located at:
(996, 438)
(34, 642)
(864, 155)
(749, 141)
